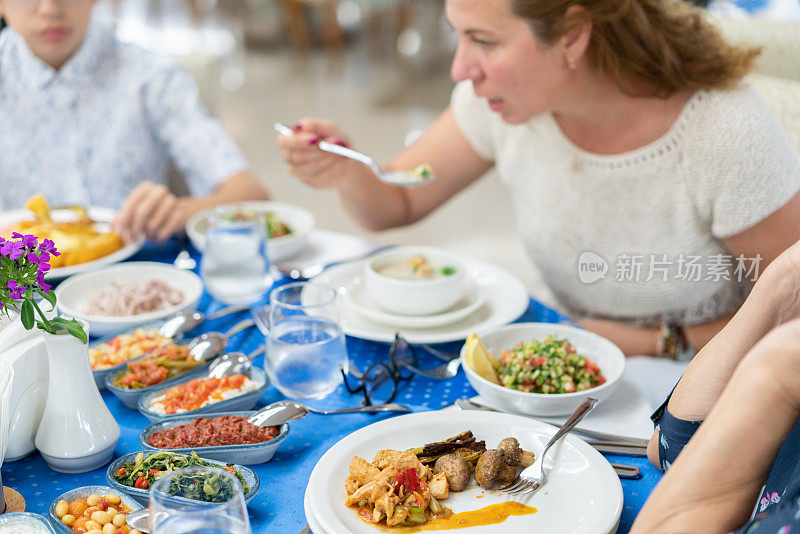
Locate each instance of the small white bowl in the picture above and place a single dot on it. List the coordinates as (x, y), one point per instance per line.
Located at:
(75, 293)
(300, 220)
(415, 297)
(601, 351)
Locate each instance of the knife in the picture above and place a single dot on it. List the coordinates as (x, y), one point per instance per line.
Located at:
(467, 404)
(617, 448)
(626, 471)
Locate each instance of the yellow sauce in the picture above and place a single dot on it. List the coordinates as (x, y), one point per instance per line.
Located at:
(488, 515)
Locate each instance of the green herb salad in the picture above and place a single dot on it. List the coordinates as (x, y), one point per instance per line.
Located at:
(548, 366)
(200, 486)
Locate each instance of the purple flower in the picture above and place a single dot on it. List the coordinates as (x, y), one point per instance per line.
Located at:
(12, 249)
(30, 241)
(16, 289)
(49, 247)
(40, 281)
(17, 235)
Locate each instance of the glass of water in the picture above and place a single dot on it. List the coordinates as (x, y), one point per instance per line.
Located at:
(305, 344)
(235, 266)
(176, 508)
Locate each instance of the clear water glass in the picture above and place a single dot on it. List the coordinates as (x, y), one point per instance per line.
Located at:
(235, 266)
(305, 344)
(172, 511)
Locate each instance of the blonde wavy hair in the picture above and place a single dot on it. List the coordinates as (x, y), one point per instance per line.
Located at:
(667, 44)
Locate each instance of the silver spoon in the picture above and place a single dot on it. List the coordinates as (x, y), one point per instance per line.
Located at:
(286, 411)
(210, 345)
(420, 175)
(184, 321)
(233, 363)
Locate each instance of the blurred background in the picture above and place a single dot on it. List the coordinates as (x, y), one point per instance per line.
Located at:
(380, 69)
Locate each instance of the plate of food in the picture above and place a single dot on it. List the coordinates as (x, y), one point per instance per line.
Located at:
(437, 471)
(288, 226)
(541, 369)
(227, 437)
(91, 508)
(204, 395)
(83, 236)
(134, 473)
(504, 298)
(129, 294)
(155, 369)
(111, 354)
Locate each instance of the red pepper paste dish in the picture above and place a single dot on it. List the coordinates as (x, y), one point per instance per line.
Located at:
(212, 432)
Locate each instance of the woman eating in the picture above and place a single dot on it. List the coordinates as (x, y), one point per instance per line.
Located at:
(624, 130)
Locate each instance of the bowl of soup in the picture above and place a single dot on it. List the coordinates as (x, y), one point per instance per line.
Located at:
(415, 280)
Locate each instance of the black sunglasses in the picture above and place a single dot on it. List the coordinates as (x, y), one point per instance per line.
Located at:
(379, 382)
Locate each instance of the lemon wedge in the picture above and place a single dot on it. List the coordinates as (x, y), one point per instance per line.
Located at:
(479, 359)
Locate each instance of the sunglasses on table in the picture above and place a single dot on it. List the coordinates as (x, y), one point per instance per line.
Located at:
(379, 382)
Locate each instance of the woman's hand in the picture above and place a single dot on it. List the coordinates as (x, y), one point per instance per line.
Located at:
(631, 340)
(311, 165)
(151, 210)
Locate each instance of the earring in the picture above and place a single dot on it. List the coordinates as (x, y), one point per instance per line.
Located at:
(571, 63)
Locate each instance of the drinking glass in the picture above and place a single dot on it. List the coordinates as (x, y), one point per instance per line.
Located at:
(235, 266)
(173, 510)
(305, 344)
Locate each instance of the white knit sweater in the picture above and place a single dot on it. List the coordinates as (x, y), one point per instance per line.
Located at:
(724, 165)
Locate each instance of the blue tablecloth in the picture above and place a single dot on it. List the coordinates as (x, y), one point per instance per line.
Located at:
(279, 505)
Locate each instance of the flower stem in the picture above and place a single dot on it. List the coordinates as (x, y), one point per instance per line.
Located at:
(41, 314)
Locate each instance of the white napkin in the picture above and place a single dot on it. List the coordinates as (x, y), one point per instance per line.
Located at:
(12, 332)
(6, 381)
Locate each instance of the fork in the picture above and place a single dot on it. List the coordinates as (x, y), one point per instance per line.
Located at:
(533, 477)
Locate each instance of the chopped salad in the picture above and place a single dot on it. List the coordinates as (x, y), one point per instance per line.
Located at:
(548, 366)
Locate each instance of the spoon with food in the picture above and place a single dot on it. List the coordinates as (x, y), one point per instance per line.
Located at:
(422, 174)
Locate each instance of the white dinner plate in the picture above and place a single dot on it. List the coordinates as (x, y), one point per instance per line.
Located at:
(358, 298)
(505, 300)
(99, 214)
(582, 493)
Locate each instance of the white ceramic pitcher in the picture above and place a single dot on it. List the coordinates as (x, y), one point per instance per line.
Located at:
(77, 432)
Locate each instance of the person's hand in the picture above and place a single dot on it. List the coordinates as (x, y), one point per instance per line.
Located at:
(311, 165)
(151, 210)
(631, 340)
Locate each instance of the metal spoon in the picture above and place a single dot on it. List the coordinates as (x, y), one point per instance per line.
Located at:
(400, 178)
(209, 345)
(233, 363)
(184, 321)
(140, 520)
(286, 411)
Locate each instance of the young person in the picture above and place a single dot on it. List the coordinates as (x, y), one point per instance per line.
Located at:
(90, 120)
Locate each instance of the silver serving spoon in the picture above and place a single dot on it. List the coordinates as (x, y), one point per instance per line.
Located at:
(286, 411)
(211, 344)
(420, 175)
(233, 363)
(184, 321)
(139, 519)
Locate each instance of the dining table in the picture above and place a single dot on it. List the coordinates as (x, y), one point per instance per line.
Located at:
(278, 506)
